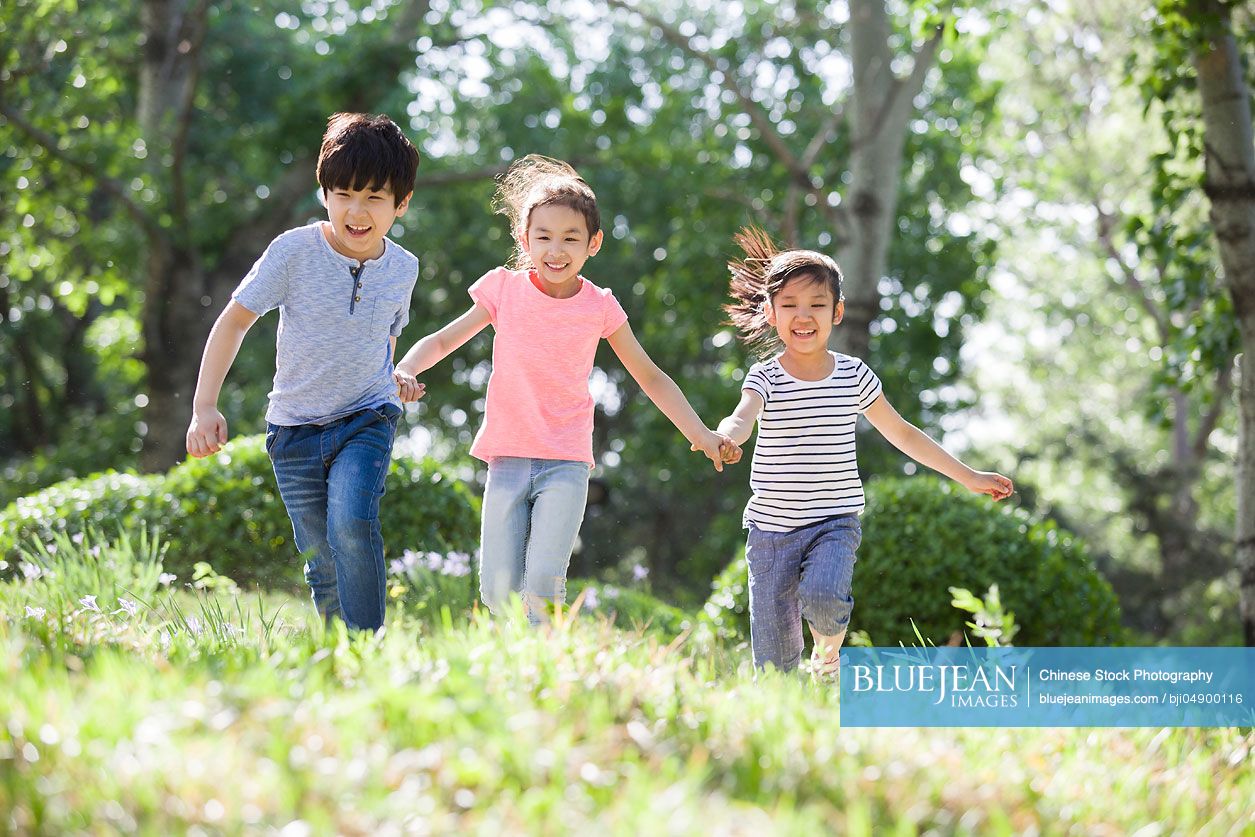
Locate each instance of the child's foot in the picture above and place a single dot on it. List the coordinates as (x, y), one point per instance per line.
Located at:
(826, 668)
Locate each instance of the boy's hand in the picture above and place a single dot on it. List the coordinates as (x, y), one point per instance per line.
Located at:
(408, 389)
(729, 451)
(988, 482)
(710, 443)
(207, 433)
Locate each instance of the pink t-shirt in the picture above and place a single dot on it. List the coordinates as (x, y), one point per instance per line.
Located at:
(539, 405)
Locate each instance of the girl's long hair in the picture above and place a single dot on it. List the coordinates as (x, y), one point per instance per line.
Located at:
(535, 181)
(760, 274)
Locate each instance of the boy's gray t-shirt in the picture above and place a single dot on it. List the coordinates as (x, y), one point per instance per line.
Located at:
(333, 355)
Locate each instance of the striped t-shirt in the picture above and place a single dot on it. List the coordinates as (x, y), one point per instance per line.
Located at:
(804, 468)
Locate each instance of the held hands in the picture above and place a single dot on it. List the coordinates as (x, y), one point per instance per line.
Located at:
(408, 389)
(207, 433)
(988, 482)
(718, 448)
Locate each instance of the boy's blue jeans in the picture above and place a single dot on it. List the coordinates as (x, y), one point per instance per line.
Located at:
(531, 516)
(331, 478)
(802, 574)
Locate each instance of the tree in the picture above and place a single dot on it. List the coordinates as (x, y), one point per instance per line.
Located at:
(1229, 183)
(197, 126)
(1113, 353)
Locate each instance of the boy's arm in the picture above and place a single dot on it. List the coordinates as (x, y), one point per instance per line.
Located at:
(435, 347)
(207, 432)
(665, 394)
(916, 444)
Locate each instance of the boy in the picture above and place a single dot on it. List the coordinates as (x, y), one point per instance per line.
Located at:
(343, 293)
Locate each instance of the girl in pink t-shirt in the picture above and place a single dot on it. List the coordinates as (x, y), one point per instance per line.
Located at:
(538, 420)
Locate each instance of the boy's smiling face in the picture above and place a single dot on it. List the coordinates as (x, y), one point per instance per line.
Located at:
(359, 220)
(803, 313)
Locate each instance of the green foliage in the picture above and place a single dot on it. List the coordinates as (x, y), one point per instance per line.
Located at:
(628, 608)
(992, 624)
(225, 511)
(922, 537)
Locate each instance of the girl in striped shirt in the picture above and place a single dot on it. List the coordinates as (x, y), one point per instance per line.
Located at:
(803, 516)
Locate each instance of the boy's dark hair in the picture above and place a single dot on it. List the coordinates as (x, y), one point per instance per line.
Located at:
(535, 181)
(761, 274)
(361, 151)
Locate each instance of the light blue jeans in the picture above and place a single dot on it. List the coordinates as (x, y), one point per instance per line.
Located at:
(531, 516)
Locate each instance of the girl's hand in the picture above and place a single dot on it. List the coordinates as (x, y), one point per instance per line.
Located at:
(729, 451)
(988, 482)
(408, 389)
(711, 443)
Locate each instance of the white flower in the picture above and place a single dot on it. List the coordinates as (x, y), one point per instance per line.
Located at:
(194, 625)
(639, 573)
(94, 551)
(129, 606)
(51, 547)
(590, 597)
(165, 640)
(77, 537)
(89, 603)
(610, 592)
(435, 561)
(35, 612)
(457, 564)
(31, 571)
(4, 565)
(166, 579)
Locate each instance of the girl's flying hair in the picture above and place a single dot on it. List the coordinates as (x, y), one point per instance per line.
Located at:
(761, 274)
(542, 181)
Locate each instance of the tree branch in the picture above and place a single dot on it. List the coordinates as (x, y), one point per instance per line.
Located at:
(49, 143)
(898, 107)
(751, 107)
(192, 29)
(1220, 399)
(1106, 223)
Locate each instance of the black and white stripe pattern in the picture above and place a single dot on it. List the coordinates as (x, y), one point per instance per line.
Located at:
(804, 467)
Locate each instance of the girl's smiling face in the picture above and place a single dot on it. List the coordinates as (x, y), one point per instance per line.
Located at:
(803, 313)
(558, 244)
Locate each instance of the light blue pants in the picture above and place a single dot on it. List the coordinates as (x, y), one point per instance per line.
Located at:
(531, 516)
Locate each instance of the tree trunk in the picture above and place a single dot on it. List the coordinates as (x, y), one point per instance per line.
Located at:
(875, 166)
(1230, 184)
(175, 327)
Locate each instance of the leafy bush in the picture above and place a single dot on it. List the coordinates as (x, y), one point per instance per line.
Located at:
(225, 510)
(922, 536)
(629, 609)
(110, 502)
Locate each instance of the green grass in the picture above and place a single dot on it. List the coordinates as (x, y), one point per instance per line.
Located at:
(229, 712)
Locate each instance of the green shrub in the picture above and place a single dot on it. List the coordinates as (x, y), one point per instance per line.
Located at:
(225, 510)
(629, 609)
(110, 503)
(922, 536)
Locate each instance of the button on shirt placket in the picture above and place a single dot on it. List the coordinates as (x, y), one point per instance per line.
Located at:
(356, 272)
